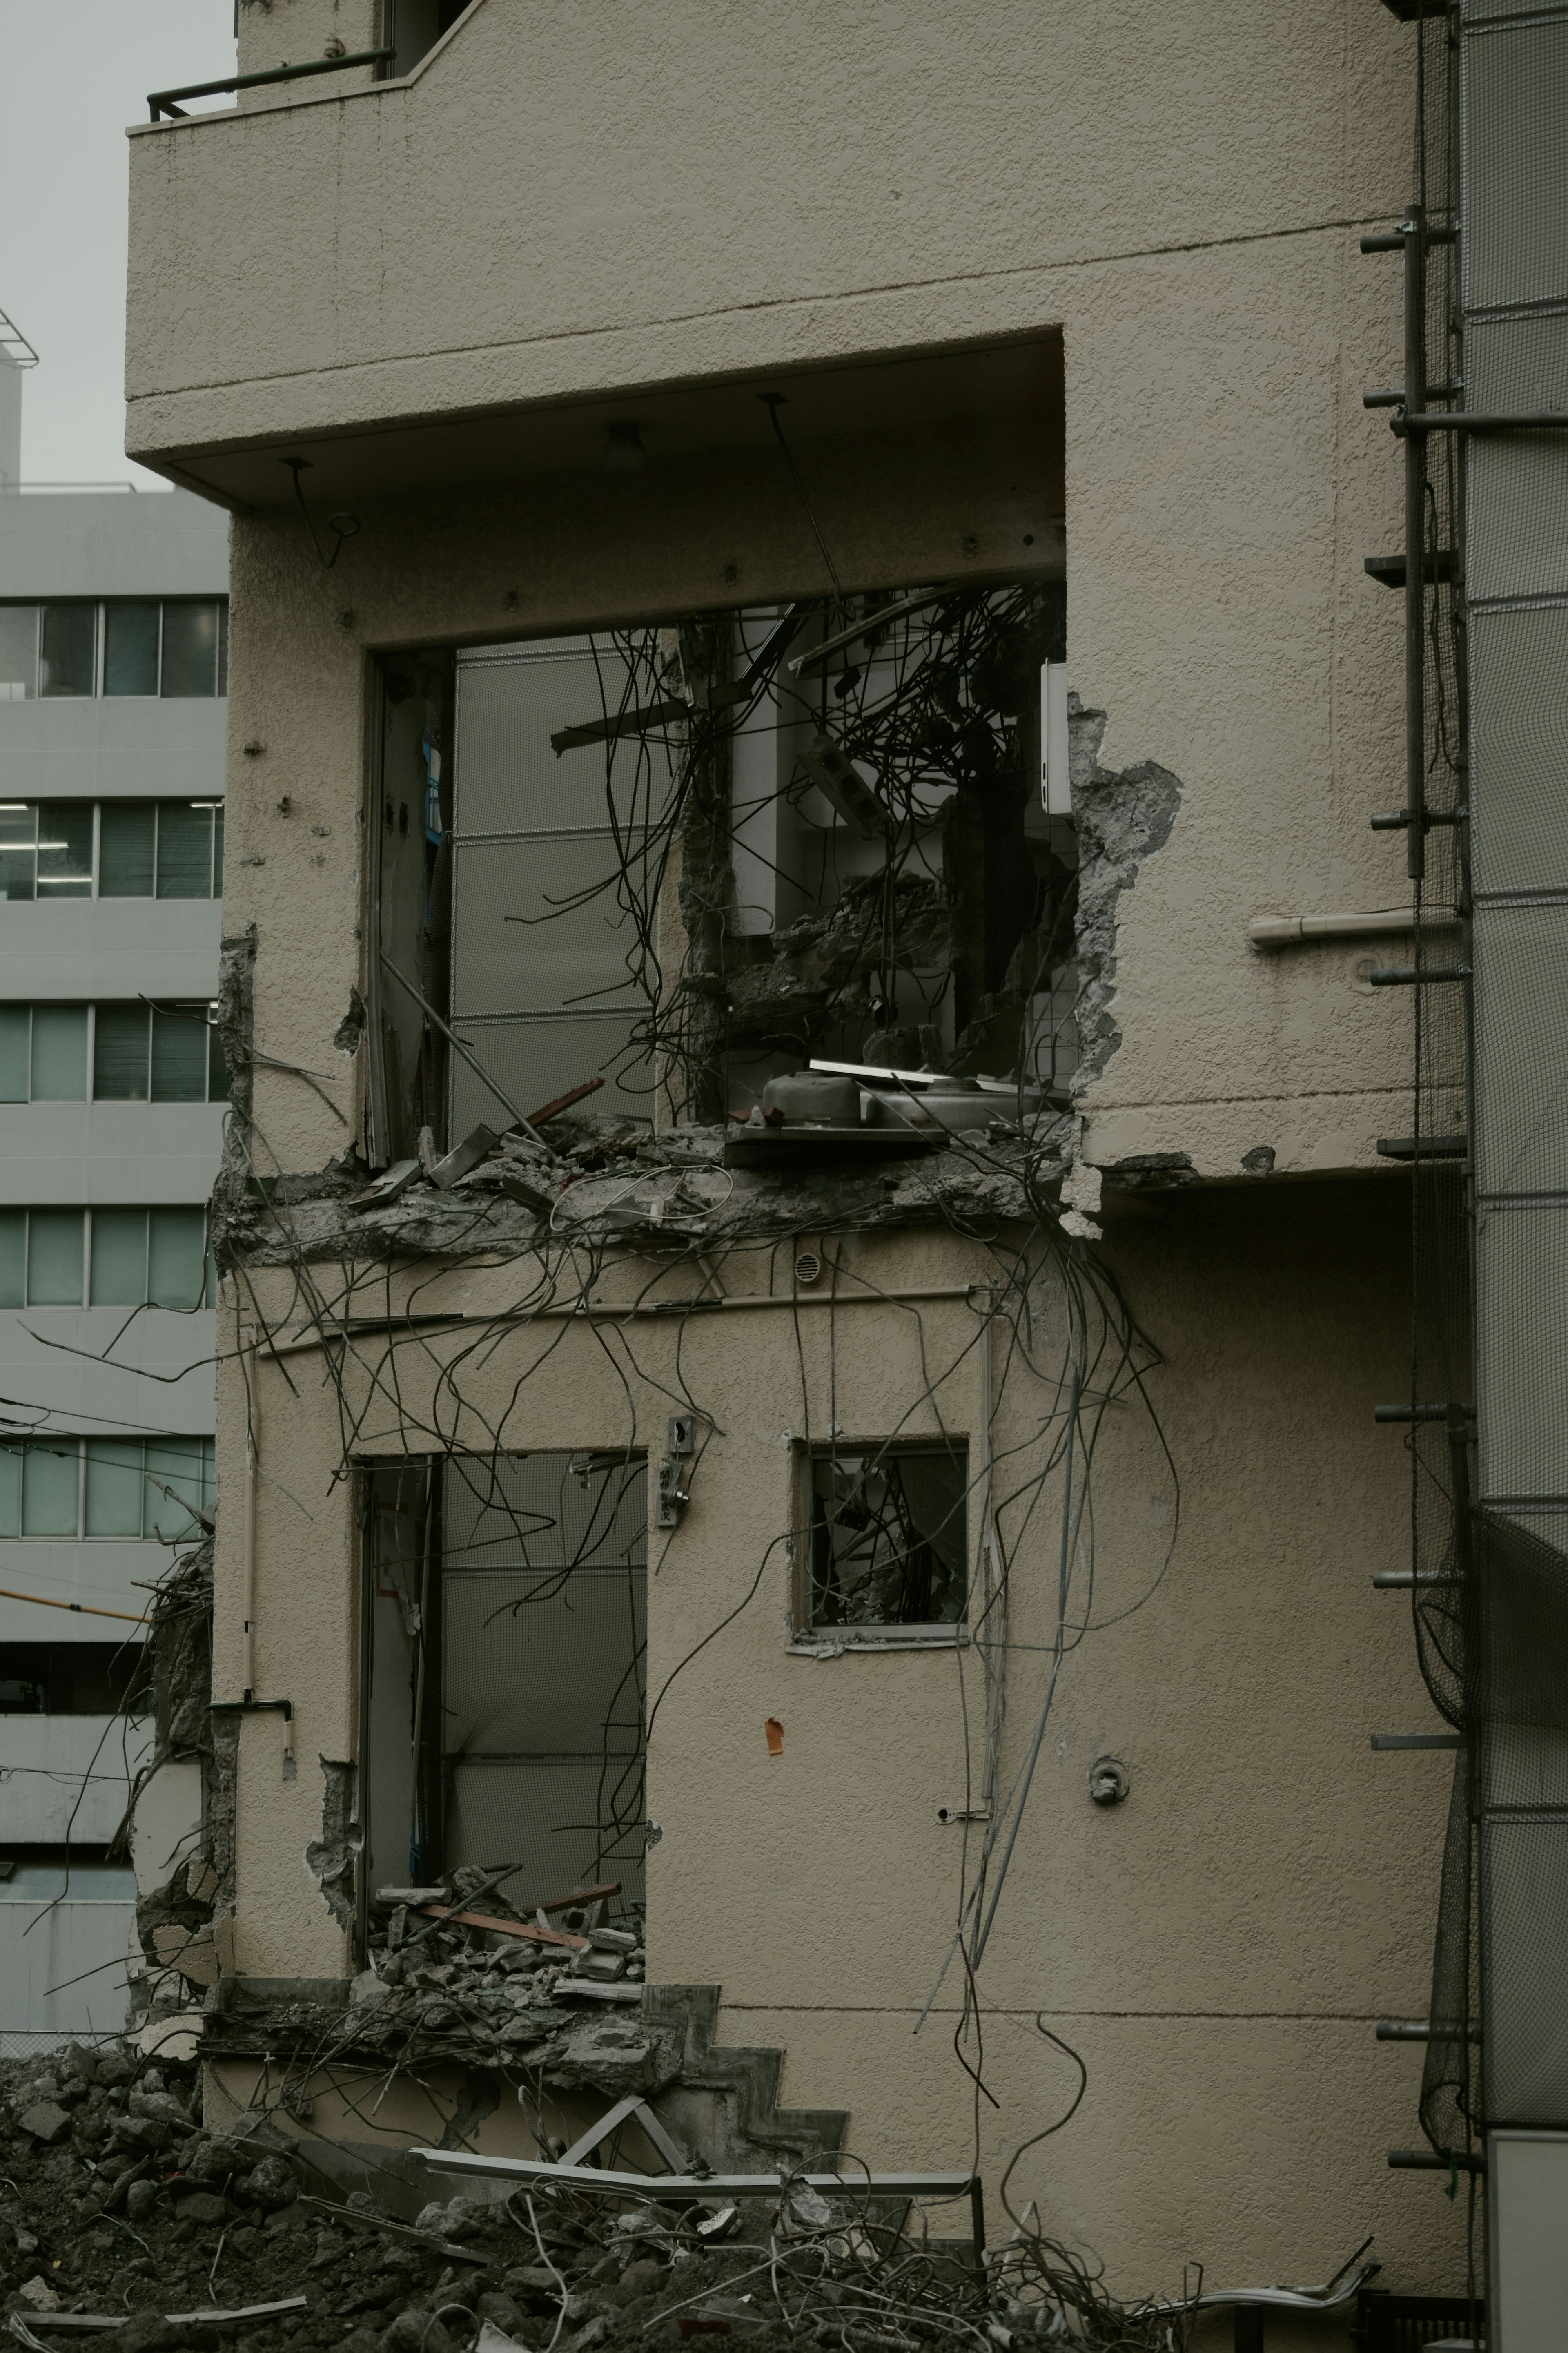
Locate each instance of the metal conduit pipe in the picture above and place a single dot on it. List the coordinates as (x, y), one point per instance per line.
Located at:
(1285, 931)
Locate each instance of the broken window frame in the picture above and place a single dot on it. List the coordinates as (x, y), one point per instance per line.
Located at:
(424, 1595)
(806, 1633)
(1009, 846)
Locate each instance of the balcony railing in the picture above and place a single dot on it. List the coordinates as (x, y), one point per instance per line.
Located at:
(166, 101)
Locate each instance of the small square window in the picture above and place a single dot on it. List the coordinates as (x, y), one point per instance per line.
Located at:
(888, 1544)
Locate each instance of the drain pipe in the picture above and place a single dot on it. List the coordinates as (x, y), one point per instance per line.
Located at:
(1285, 931)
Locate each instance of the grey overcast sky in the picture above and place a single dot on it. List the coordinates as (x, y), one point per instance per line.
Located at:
(75, 72)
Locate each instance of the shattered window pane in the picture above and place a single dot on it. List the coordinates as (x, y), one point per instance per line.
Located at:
(888, 1537)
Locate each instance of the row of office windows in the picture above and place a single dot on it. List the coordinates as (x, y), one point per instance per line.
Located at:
(104, 1486)
(111, 1053)
(111, 850)
(105, 1258)
(130, 647)
(71, 1679)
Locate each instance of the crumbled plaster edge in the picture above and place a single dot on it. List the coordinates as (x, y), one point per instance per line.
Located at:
(1123, 816)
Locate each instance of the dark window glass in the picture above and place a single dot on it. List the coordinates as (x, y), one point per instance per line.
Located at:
(50, 1494)
(176, 1258)
(184, 852)
(217, 853)
(190, 649)
(119, 1271)
(223, 647)
(65, 849)
(119, 1054)
(125, 838)
(19, 652)
(69, 1678)
(59, 1054)
(18, 832)
(68, 644)
(131, 650)
(114, 1487)
(16, 1052)
(13, 1258)
(179, 1057)
(54, 1258)
(887, 1539)
(217, 1069)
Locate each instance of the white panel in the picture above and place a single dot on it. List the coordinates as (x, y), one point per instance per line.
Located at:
(165, 948)
(1527, 2192)
(105, 1574)
(1055, 739)
(122, 1153)
(158, 1342)
(54, 1760)
(72, 1940)
(113, 543)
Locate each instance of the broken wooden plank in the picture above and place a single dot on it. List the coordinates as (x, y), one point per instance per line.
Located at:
(565, 1101)
(503, 1927)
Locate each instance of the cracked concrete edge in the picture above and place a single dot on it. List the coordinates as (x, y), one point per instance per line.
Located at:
(888, 1196)
(1123, 818)
(332, 1858)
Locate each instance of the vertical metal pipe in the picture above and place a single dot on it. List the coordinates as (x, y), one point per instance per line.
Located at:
(1415, 231)
(995, 1601)
(250, 1339)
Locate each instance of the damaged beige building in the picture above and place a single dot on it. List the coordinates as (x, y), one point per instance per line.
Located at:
(772, 538)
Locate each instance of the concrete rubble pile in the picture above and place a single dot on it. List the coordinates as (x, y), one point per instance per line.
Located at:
(558, 1995)
(600, 1178)
(119, 2212)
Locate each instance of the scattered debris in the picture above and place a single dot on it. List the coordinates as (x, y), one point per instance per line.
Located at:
(183, 2239)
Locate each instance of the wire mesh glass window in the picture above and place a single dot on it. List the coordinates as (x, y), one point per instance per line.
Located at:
(888, 1538)
(543, 1594)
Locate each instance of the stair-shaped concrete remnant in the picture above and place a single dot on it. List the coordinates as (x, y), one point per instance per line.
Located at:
(724, 2104)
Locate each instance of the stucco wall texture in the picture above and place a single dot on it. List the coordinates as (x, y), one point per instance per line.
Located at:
(564, 203)
(1218, 1948)
(534, 219)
